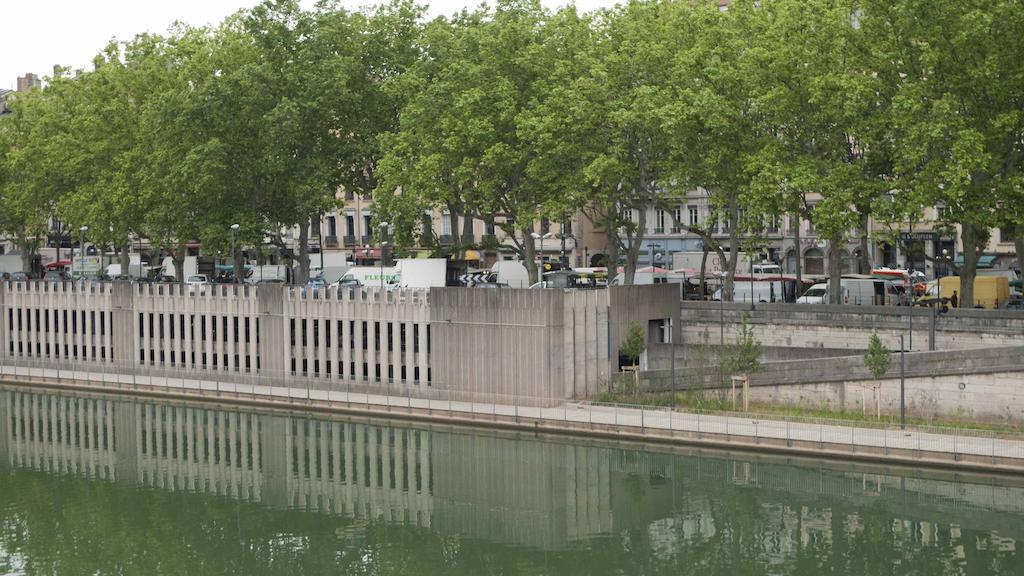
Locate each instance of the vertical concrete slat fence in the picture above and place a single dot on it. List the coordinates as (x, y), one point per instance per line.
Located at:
(523, 347)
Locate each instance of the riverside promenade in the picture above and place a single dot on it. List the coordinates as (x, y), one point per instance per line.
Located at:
(916, 445)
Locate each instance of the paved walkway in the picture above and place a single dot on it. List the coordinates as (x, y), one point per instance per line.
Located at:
(981, 447)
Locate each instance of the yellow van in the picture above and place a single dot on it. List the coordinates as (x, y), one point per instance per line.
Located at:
(989, 291)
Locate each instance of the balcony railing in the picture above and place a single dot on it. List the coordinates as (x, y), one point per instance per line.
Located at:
(366, 240)
(445, 239)
(349, 240)
(331, 241)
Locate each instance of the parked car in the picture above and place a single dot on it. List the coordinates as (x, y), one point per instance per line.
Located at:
(55, 276)
(817, 294)
(347, 282)
(196, 281)
(1016, 303)
(20, 277)
(491, 285)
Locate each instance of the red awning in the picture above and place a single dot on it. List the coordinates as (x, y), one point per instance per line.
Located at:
(366, 253)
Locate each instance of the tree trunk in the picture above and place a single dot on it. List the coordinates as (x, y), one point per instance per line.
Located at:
(798, 257)
(238, 264)
(703, 271)
(303, 274)
(126, 259)
(973, 246)
(28, 252)
(467, 232)
(178, 257)
(865, 257)
(734, 250)
(1018, 244)
(529, 253)
(612, 258)
(633, 252)
(835, 284)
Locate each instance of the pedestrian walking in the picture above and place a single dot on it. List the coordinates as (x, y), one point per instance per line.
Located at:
(953, 300)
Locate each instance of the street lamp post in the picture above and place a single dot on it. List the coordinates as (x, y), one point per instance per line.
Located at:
(537, 236)
(902, 388)
(383, 245)
(234, 264)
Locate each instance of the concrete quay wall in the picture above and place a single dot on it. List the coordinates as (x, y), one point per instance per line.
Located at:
(996, 397)
(541, 346)
(974, 384)
(850, 327)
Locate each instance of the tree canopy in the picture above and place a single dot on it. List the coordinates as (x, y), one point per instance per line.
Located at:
(514, 113)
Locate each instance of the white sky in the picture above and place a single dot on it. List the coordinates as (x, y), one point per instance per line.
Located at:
(36, 34)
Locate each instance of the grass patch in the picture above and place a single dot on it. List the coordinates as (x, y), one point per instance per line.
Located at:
(718, 401)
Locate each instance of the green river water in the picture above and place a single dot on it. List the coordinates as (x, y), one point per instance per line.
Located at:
(98, 485)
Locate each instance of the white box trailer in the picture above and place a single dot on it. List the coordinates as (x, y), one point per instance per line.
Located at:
(11, 263)
(330, 267)
(136, 268)
(191, 266)
(421, 272)
(372, 275)
(512, 273)
(714, 264)
(758, 291)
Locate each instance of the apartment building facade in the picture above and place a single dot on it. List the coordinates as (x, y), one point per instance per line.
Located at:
(927, 244)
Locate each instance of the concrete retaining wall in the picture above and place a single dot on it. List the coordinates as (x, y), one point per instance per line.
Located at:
(993, 397)
(813, 326)
(994, 377)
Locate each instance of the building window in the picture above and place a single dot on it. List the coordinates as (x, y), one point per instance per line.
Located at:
(677, 219)
(659, 221)
(332, 226)
(627, 214)
(942, 213)
(545, 226)
(810, 219)
(446, 224)
(367, 225)
(694, 217)
(567, 228)
(350, 225)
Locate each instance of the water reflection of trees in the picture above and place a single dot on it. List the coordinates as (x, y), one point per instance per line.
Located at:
(419, 501)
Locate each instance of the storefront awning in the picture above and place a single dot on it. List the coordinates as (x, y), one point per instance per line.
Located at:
(986, 261)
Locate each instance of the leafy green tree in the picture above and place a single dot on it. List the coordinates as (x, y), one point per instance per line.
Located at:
(717, 125)
(459, 145)
(33, 171)
(959, 120)
(826, 100)
(877, 359)
(634, 344)
(744, 357)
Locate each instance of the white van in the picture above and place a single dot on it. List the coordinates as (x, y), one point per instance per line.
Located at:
(758, 291)
(856, 291)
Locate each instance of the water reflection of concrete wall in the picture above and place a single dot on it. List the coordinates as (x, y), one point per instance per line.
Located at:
(491, 486)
